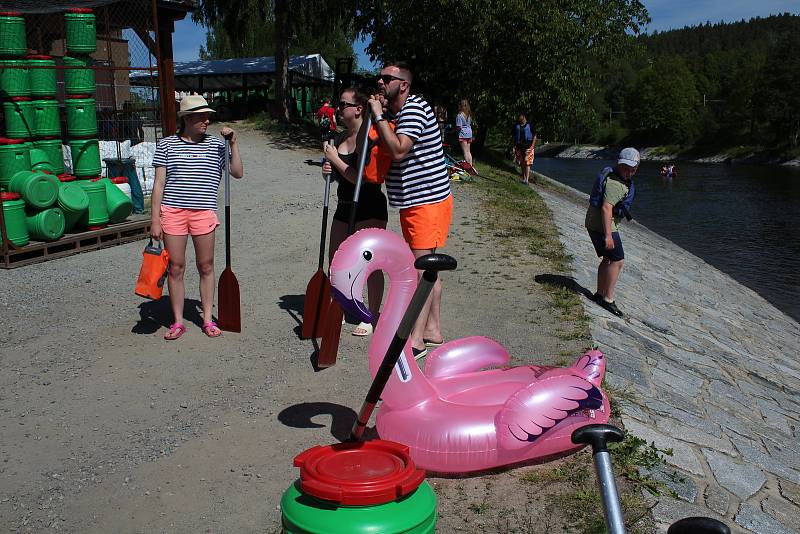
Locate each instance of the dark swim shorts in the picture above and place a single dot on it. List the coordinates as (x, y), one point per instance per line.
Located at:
(599, 242)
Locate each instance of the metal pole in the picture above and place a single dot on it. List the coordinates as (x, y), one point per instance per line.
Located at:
(608, 490)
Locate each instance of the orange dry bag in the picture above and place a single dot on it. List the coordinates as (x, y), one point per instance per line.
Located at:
(153, 272)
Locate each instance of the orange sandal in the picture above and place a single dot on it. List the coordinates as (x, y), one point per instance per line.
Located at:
(175, 331)
(211, 329)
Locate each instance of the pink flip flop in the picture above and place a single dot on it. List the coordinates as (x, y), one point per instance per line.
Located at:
(175, 331)
(207, 329)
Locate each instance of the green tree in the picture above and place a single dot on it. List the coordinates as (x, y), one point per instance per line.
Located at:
(778, 98)
(246, 28)
(507, 55)
(664, 103)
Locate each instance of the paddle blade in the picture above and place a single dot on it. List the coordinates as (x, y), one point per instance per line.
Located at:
(229, 311)
(331, 333)
(315, 305)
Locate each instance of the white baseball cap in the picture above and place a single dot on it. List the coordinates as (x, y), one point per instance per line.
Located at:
(628, 156)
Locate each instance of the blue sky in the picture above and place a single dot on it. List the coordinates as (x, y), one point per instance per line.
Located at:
(665, 15)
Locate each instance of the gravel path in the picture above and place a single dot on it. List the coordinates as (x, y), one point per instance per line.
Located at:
(105, 427)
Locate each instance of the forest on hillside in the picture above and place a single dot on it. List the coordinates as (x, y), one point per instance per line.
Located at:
(716, 85)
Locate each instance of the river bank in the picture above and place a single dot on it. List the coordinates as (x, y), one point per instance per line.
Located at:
(709, 370)
(737, 155)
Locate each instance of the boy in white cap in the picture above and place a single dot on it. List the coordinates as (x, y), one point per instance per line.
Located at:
(609, 201)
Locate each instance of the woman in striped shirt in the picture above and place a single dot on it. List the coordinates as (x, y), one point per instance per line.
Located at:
(184, 202)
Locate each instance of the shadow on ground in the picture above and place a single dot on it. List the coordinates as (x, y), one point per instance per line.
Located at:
(153, 314)
(567, 282)
(342, 418)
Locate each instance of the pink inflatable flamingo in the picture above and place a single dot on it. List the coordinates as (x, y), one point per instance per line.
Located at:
(458, 417)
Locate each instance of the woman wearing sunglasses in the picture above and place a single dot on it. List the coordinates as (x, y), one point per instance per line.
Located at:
(341, 161)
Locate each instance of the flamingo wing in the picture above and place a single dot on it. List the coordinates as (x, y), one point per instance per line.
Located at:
(534, 409)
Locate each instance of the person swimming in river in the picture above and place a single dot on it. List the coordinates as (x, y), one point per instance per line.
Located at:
(668, 171)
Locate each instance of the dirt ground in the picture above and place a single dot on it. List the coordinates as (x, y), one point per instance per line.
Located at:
(105, 427)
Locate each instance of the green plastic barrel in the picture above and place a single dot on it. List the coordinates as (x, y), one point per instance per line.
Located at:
(14, 216)
(54, 151)
(40, 161)
(14, 157)
(358, 488)
(97, 212)
(81, 31)
(79, 81)
(85, 157)
(12, 34)
(39, 190)
(47, 122)
(14, 78)
(74, 202)
(46, 225)
(119, 204)
(42, 75)
(81, 117)
(20, 119)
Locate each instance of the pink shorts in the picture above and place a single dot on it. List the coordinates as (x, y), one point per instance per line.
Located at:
(183, 221)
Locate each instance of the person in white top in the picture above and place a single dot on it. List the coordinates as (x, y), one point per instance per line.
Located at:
(184, 202)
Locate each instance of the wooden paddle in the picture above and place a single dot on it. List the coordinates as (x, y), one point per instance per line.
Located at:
(332, 329)
(229, 310)
(318, 290)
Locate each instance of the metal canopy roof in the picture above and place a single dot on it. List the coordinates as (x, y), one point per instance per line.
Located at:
(228, 74)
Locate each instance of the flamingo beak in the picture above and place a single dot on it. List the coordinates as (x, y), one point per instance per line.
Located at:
(352, 306)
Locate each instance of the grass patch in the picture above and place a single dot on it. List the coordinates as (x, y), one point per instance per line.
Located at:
(578, 500)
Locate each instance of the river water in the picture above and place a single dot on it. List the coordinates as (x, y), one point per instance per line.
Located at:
(741, 219)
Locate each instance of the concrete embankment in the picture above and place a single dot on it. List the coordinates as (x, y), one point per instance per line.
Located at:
(709, 370)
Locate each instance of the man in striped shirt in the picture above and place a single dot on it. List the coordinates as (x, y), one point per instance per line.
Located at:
(417, 183)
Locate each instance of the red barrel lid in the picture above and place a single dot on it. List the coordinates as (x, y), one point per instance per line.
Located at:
(64, 177)
(79, 10)
(38, 56)
(93, 178)
(78, 96)
(21, 98)
(9, 196)
(10, 14)
(98, 227)
(49, 137)
(359, 473)
(119, 180)
(9, 141)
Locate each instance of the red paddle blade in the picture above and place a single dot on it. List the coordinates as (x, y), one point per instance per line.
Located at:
(229, 310)
(331, 333)
(315, 305)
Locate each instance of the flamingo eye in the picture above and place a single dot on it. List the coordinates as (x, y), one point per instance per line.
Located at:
(367, 255)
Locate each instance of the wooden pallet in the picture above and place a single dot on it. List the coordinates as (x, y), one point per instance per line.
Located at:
(135, 228)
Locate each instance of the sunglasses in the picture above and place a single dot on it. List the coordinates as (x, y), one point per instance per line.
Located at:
(344, 105)
(387, 78)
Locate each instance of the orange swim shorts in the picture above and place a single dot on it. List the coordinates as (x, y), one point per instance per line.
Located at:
(426, 226)
(183, 221)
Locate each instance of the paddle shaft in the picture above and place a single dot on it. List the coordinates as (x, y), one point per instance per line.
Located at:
(227, 203)
(393, 352)
(362, 161)
(324, 218)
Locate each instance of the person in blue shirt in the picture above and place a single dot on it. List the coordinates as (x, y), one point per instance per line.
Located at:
(524, 144)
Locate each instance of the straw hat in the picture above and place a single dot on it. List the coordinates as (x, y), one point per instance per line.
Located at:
(194, 104)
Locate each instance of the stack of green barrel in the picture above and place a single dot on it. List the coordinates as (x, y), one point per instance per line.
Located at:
(80, 88)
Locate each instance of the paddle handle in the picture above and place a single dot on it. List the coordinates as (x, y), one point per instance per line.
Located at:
(362, 161)
(227, 202)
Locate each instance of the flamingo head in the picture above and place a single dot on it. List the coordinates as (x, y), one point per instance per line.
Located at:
(361, 254)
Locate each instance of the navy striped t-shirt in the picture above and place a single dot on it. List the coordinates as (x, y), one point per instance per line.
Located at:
(421, 176)
(193, 171)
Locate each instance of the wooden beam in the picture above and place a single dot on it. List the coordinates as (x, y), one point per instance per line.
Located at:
(166, 76)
